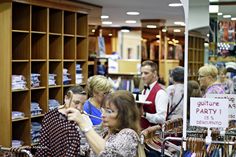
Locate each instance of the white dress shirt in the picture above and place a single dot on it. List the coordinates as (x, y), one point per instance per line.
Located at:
(161, 102)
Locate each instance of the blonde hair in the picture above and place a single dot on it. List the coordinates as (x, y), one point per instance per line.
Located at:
(208, 70)
(98, 83)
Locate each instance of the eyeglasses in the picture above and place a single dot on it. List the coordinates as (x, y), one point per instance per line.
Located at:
(107, 110)
(104, 94)
(201, 76)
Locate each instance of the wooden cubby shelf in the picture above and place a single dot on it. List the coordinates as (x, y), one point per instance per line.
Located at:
(38, 37)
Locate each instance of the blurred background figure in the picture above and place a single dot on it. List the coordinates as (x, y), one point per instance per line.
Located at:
(227, 84)
(207, 77)
(98, 87)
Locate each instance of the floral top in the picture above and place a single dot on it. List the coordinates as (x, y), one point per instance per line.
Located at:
(214, 89)
(121, 144)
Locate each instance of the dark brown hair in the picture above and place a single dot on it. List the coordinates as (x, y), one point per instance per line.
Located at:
(128, 112)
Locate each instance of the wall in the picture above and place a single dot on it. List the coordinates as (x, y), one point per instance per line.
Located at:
(129, 45)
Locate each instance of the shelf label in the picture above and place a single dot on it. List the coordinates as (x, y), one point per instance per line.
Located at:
(231, 105)
(209, 112)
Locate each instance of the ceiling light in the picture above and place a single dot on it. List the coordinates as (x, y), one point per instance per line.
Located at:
(164, 30)
(125, 29)
(104, 17)
(219, 14)
(179, 23)
(158, 36)
(226, 16)
(208, 35)
(233, 18)
(109, 34)
(151, 26)
(213, 0)
(175, 4)
(132, 13)
(177, 30)
(115, 25)
(213, 8)
(106, 22)
(93, 30)
(130, 21)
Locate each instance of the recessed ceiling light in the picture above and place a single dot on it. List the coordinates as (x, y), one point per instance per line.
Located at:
(125, 30)
(179, 23)
(175, 4)
(110, 34)
(151, 26)
(213, 8)
(115, 25)
(132, 13)
(158, 36)
(177, 30)
(106, 22)
(219, 14)
(104, 17)
(208, 34)
(213, 0)
(233, 18)
(164, 30)
(93, 30)
(226, 16)
(130, 21)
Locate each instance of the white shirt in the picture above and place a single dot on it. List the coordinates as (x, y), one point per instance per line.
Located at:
(161, 102)
(175, 93)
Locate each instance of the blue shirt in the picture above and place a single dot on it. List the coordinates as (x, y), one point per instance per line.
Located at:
(90, 109)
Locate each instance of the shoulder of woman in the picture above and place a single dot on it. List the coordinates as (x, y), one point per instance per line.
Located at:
(128, 131)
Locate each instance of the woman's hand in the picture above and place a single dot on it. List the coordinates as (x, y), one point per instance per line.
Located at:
(82, 120)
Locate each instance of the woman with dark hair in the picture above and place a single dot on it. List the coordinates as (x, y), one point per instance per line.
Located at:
(120, 115)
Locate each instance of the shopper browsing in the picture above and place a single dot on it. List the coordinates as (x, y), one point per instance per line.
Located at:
(58, 136)
(98, 87)
(121, 116)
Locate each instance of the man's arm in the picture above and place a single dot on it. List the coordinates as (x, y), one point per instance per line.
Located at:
(161, 102)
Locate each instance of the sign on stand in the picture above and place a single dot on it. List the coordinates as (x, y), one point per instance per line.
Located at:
(231, 105)
(209, 112)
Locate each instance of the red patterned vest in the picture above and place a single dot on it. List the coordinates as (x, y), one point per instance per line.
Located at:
(150, 108)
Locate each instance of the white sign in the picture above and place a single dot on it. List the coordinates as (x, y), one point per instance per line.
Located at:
(231, 105)
(209, 112)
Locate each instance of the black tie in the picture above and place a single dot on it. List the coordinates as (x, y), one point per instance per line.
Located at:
(147, 87)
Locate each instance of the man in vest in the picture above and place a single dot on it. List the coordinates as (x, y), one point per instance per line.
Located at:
(154, 113)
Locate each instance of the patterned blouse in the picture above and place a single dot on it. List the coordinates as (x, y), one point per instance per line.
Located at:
(58, 137)
(214, 89)
(121, 144)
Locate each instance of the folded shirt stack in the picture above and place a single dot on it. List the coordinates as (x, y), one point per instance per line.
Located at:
(52, 79)
(17, 143)
(66, 77)
(35, 109)
(79, 75)
(35, 131)
(18, 82)
(53, 104)
(17, 115)
(35, 82)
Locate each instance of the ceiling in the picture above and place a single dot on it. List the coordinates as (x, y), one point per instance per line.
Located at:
(149, 9)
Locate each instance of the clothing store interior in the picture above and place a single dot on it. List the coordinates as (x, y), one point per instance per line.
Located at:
(118, 78)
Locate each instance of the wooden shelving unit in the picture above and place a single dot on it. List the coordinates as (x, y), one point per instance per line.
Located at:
(38, 37)
(195, 55)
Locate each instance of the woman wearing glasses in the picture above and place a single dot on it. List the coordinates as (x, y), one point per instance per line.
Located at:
(120, 115)
(58, 136)
(207, 77)
(98, 87)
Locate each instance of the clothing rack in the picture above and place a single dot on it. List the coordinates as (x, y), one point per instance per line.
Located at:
(185, 140)
(17, 150)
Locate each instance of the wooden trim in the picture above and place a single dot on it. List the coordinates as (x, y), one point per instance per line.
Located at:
(5, 77)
